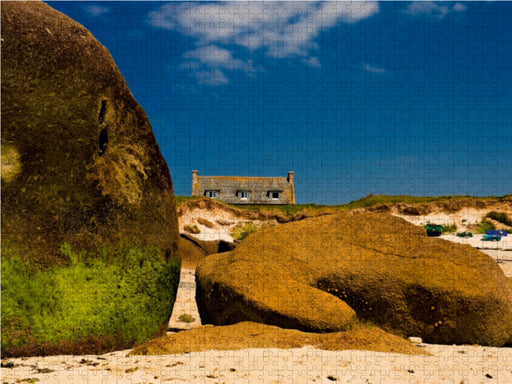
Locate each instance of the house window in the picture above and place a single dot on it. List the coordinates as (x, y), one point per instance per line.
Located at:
(274, 195)
(212, 193)
(243, 195)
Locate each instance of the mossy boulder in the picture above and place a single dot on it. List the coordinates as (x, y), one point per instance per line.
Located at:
(80, 163)
(318, 274)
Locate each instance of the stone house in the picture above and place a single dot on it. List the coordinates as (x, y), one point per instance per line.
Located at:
(245, 190)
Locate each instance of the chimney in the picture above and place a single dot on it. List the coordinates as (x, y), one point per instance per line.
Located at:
(291, 187)
(195, 183)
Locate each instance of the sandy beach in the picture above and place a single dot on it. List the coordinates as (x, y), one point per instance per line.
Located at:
(448, 364)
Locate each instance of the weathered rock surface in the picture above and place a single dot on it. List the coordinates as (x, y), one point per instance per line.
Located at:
(194, 250)
(80, 163)
(316, 274)
(256, 335)
(191, 253)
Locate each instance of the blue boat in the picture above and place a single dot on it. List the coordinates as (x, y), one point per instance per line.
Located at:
(488, 237)
(496, 233)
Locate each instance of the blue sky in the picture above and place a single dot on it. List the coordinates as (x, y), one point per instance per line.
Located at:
(355, 97)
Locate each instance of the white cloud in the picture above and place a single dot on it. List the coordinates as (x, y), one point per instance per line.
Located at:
(217, 57)
(458, 7)
(260, 24)
(312, 61)
(433, 10)
(282, 29)
(211, 77)
(374, 68)
(96, 10)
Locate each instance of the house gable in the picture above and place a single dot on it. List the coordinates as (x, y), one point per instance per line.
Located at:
(245, 190)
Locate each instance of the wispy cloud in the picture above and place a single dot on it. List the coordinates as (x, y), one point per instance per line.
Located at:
(434, 10)
(214, 56)
(458, 7)
(374, 69)
(96, 10)
(280, 29)
(211, 77)
(312, 61)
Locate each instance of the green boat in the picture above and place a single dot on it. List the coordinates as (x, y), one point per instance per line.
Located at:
(434, 230)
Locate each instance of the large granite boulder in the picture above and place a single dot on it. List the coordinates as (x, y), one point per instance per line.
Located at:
(194, 250)
(316, 274)
(80, 163)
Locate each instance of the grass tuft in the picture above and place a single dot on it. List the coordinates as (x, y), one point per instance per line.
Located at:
(452, 228)
(242, 230)
(186, 318)
(485, 226)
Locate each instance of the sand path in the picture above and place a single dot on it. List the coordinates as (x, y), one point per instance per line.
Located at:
(185, 303)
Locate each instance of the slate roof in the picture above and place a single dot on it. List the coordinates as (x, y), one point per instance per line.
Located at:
(259, 188)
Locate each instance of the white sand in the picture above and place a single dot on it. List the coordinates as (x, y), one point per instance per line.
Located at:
(449, 364)
(505, 244)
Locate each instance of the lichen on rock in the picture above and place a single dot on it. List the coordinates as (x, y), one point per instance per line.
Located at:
(11, 165)
(80, 163)
(327, 273)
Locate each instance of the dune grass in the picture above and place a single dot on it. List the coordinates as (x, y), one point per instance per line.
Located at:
(366, 202)
(180, 199)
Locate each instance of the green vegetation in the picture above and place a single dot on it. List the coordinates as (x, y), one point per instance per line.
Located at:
(113, 299)
(289, 210)
(452, 228)
(186, 318)
(373, 200)
(367, 202)
(484, 226)
(242, 230)
(180, 199)
(501, 217)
